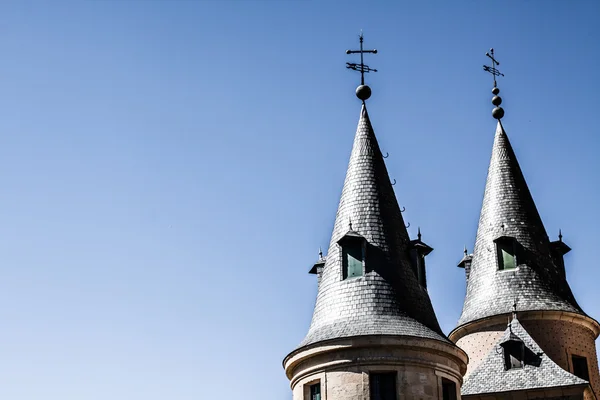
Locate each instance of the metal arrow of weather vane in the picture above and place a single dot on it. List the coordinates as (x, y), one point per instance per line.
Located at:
(492, 70)
(362, 68)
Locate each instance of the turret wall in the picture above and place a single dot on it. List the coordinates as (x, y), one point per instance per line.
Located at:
(343, 369)
(560, 335)
(479, 343)
(560, 340)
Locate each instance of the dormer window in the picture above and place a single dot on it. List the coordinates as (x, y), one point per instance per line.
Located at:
(559, 249)
(506, 248)
(353, 260)
(418, 251)
(354, 248)
(514, 352)
(317, 268)
(466, 262)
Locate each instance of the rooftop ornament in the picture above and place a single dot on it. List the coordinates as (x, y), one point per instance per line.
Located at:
(363, 92)
(497, 112)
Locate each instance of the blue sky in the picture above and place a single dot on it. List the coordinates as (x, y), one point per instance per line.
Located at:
(170, 169)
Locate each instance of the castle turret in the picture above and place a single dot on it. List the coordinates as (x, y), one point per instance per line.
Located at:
(514, 263)
(374, 334)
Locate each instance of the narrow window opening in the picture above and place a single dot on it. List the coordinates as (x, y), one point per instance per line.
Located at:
(315, 391)
(514, 354)
(353, 258)
(506, 254)
(580, 367)
(382, 386)
(421, 271)
(448, 389)
(418, 263)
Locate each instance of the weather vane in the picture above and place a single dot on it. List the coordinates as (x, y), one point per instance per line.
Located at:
(363, 92)
(492, 70)
(497, 112)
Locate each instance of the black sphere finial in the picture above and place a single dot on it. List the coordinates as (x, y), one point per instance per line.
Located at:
(363, 92)
(498, 113)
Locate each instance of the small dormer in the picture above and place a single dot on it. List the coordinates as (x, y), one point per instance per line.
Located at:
(506, 249)
(354, 249)
(418, 251)
(559, 249)
(466, 262)
(317, 268)
(514, 352)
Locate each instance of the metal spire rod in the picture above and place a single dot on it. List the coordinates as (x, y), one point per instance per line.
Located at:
(362, 68)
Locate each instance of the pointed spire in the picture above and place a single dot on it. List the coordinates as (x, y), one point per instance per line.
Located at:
(320, 253)
(393, 303)
(465, 251)
(419, 233)
(560, 236)
(508, 211)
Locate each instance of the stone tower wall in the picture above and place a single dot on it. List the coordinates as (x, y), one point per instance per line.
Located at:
(342, 369)
(412, 382)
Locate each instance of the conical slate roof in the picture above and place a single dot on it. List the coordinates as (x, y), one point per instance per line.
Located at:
(538, 371)
(509, 210)
(387, 300)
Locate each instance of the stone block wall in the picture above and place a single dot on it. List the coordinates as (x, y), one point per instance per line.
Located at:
(412, 383)
(343, 369)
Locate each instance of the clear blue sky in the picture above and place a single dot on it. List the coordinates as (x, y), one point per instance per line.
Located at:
(170, 169)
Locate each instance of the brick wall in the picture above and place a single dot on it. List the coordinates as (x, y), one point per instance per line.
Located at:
(561, 339)
(478, 344)
(558, 338)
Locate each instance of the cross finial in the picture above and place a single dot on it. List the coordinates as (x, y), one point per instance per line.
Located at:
(492, 70)
(363, 92)
(497, 112)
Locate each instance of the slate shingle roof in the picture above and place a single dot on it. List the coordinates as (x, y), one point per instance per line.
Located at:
(538, 372)
(509, 210)
(388, 300)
